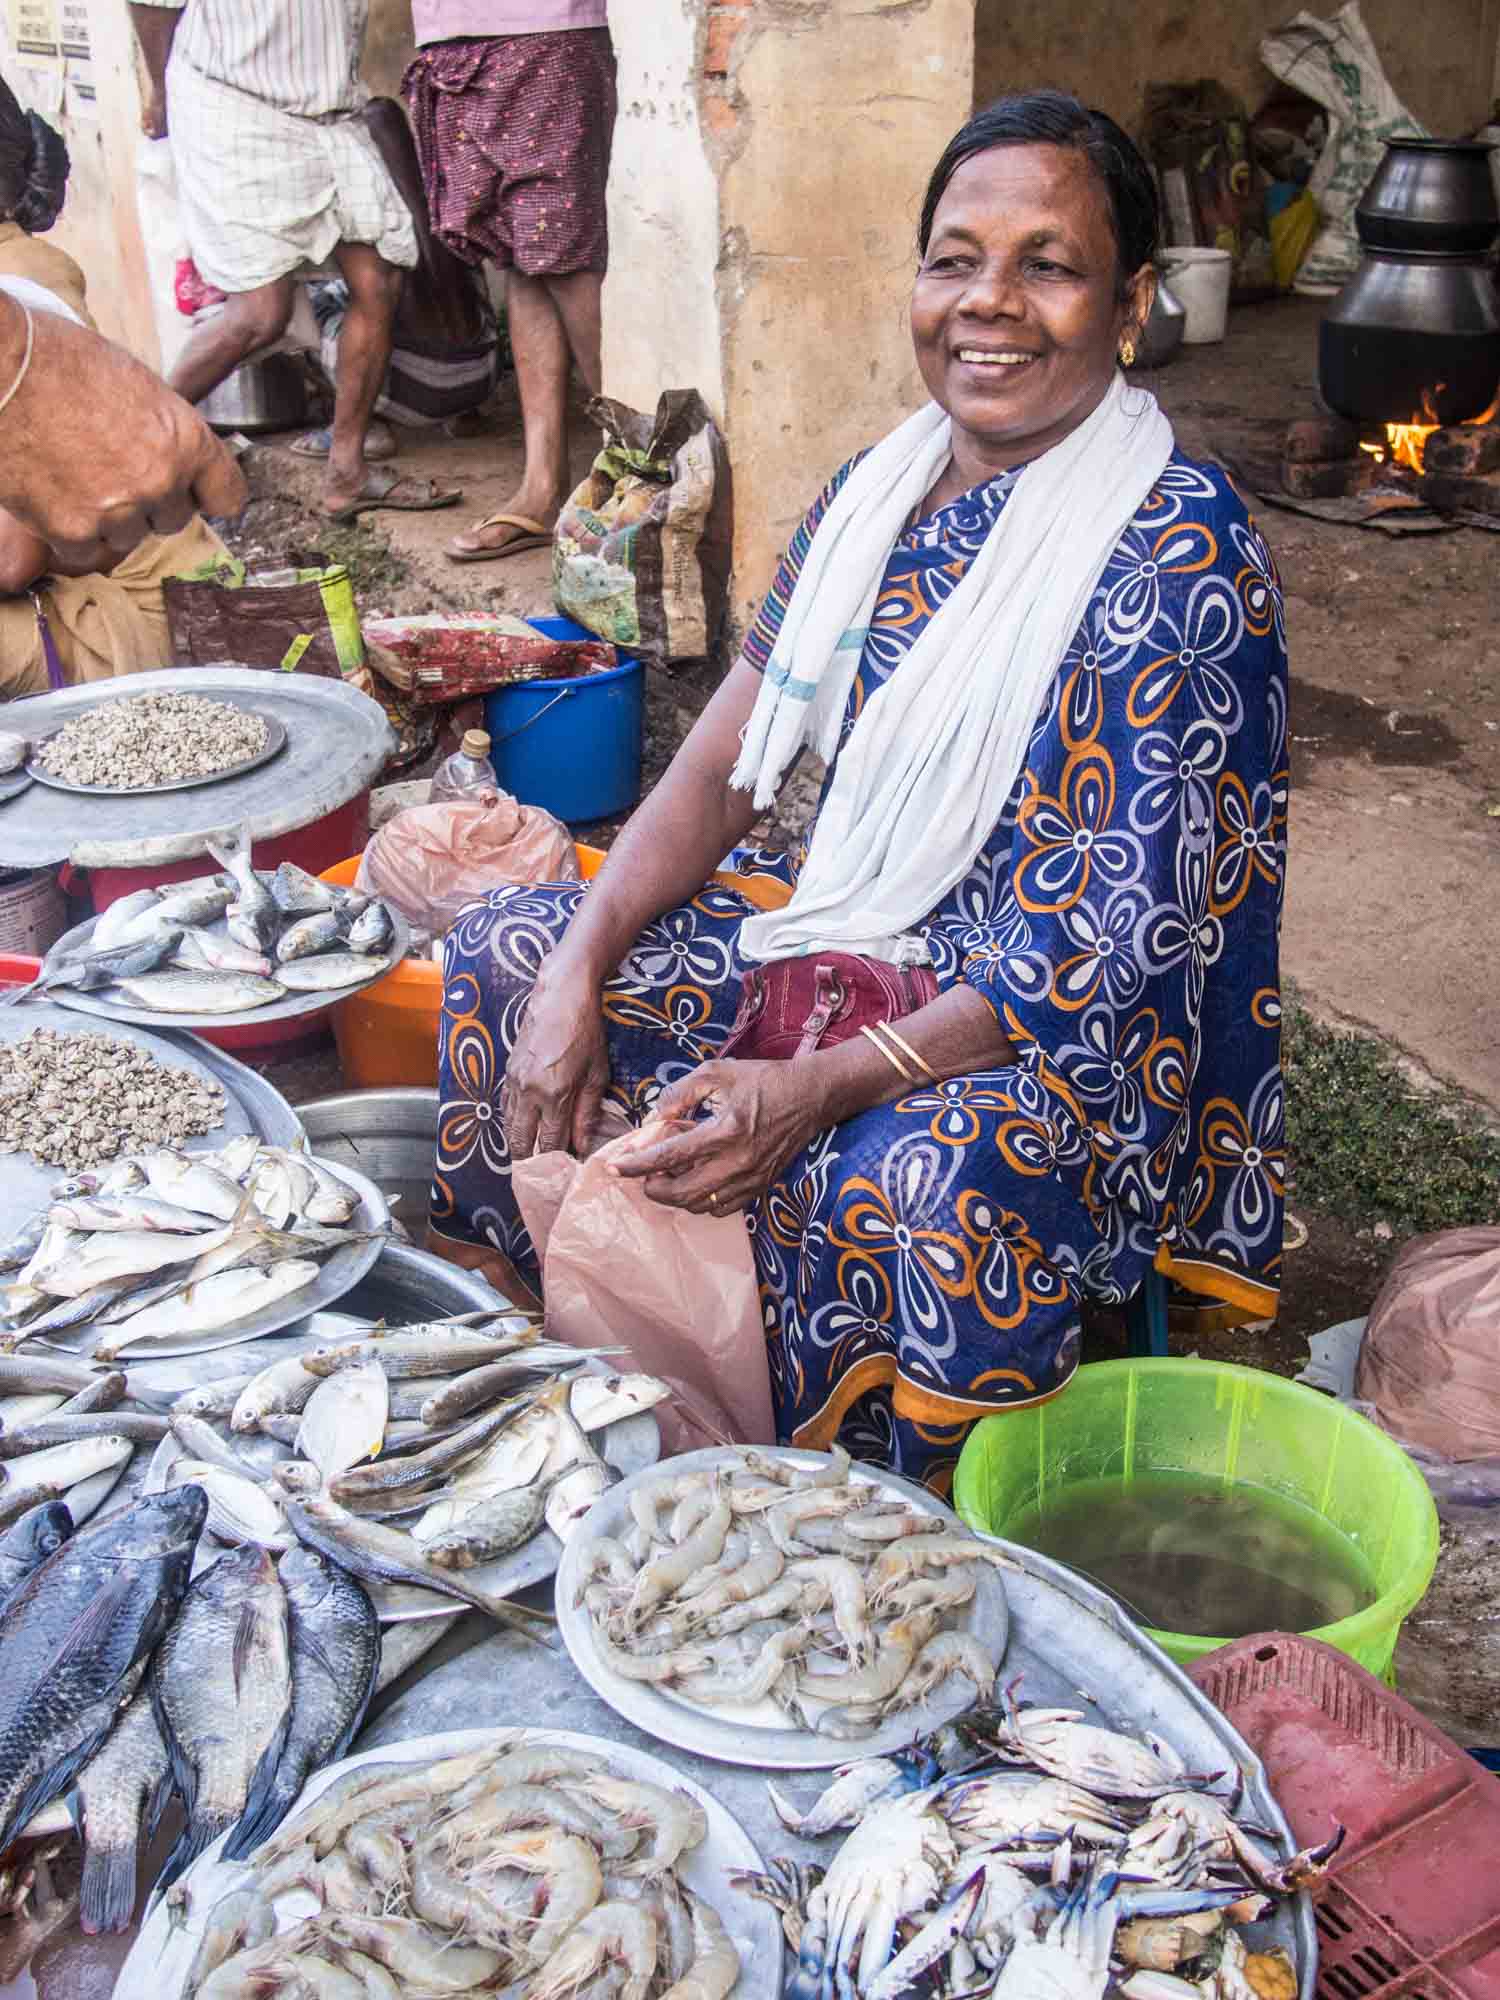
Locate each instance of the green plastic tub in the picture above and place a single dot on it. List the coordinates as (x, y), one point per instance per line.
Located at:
(1238, 1424)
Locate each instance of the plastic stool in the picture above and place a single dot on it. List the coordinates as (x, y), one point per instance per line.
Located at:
(1146, 1316)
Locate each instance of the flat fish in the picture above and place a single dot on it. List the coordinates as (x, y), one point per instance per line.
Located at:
(221, 1686)
(210, 1304)
(74, 1640)
(329, 970)
(335, 1642)
(122, 1792)
(345, 1419)
(186, 992)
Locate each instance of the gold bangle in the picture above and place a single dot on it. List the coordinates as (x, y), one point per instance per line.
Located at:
(902, 1043)
(890, 1055)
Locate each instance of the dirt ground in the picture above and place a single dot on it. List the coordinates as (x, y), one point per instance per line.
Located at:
(1395, 753)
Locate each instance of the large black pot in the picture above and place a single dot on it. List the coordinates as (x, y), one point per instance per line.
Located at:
(1415, 334)
(1411, 338)
(1435, 196)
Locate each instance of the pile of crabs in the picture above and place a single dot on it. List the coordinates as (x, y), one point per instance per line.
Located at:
(1026, 1854)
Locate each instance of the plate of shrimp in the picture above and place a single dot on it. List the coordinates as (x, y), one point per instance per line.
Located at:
(542, 1861)
(778, 1607)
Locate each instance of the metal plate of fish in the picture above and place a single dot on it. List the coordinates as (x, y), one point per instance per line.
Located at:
(726, 1736)
(166, 1946)
(274, 744)
(26, 1184)
(336, 1276)
(112, 1006)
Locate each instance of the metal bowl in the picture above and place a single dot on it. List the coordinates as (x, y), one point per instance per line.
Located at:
(267, 394)
(390, 1135)
(408, 1284)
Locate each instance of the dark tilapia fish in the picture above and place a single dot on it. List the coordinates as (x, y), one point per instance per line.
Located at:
(25, 1547)
(75, 1639)
(335, 1662)
(221, 1685)
(121, 1794)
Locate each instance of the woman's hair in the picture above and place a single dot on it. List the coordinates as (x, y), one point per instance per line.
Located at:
(1053, 118)
(33, 166)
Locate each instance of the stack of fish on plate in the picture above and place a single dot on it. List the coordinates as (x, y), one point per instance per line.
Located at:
(1032, 1854)
(162, 1245)
(262, 1665)
(281, 933)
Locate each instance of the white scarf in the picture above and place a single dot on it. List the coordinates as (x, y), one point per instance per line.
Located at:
(936, 751)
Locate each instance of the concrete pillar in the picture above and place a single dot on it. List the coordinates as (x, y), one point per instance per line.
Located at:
(769, 166)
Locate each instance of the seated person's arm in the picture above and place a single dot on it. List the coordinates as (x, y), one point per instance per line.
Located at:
(24, 557)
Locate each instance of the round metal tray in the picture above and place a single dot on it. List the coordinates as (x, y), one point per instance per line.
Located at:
(274, 744)
(336, 1276)
(164, 1950)
(294, 1007)
(26, 1184)
(674, 1719)
(13, 783)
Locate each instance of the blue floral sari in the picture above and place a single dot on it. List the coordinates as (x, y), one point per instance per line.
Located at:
(927, 1261)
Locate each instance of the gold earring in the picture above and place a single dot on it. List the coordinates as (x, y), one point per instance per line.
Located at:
(1127, 352)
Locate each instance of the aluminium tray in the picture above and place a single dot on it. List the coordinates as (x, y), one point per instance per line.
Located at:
(274, 744)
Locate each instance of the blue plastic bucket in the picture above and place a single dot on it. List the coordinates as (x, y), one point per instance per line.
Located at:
(573, 746)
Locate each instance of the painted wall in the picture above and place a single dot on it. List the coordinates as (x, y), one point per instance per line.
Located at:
(1440, 57)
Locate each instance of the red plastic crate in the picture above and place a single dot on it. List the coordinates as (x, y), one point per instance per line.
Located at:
(1412, 1905)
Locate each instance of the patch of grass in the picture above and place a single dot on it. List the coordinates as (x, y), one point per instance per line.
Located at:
(1366, 1146)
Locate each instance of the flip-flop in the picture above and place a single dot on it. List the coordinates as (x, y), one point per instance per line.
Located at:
(380, 490)
(534, 536)
(379, 443)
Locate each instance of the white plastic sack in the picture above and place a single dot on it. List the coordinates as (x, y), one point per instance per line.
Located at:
(1336, 64)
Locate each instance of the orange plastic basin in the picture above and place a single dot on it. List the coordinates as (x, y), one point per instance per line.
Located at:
(389, 1032)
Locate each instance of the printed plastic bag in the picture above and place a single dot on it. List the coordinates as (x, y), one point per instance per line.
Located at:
(1430, 1361)
(301, 619)
(676, 1291)
(642, 548)
(1337, 65)
(431, 861)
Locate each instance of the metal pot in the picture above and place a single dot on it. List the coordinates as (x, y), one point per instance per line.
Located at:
(267, 394)
(1411, 338)
(1433, 196)
(1162, 334)
(389, 1135)
(405, 1285)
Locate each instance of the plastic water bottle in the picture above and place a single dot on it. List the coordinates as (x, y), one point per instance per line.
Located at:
(468, 772)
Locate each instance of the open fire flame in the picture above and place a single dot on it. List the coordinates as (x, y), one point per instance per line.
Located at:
(1406, 444)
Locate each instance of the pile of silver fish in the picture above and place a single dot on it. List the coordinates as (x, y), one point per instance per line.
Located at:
(64, 1426)
(814, 1588)
(524, 1865)
(127, 1684)
(227, 945)
(165, 1245)
(1029, 1854)
(415, 1453)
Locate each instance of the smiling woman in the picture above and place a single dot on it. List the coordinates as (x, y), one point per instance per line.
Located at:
(1041, 653)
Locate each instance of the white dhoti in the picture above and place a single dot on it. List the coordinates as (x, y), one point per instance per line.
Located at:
(265, 191)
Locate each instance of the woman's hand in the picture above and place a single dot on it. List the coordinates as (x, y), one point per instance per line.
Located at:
(760, 1116)
(557, 1074)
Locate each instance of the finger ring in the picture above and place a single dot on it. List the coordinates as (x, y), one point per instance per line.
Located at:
(713, 1202)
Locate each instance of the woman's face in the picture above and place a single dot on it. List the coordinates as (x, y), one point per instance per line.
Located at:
(1016, 313)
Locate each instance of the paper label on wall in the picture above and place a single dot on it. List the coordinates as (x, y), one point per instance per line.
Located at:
(33, 27)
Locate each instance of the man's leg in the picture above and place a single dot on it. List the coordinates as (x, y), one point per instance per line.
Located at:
(552, 321)
(364, 356)
(249, 322)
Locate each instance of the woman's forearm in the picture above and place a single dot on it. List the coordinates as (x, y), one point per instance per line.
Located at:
(954, 1035)
(671, 845)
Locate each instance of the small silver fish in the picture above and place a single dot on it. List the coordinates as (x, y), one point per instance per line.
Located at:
(14, 751)
(309, 935)
(345, 1419)
(106, 1214)
(205, 951)
(239, 1511)
(255, 930)
(192, 903)
(284, 1385)
(232, 852)
(372, 931)
(298, 894)
(211, 1303)
(181, 991)
(110, 927)
(194, 1183)
(328, 971)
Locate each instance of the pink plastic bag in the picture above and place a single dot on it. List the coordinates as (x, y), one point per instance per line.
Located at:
(676, 1291)
(430, 861)
(1430, 1358)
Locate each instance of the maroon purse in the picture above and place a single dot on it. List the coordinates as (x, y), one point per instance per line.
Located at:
(797, 1005)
